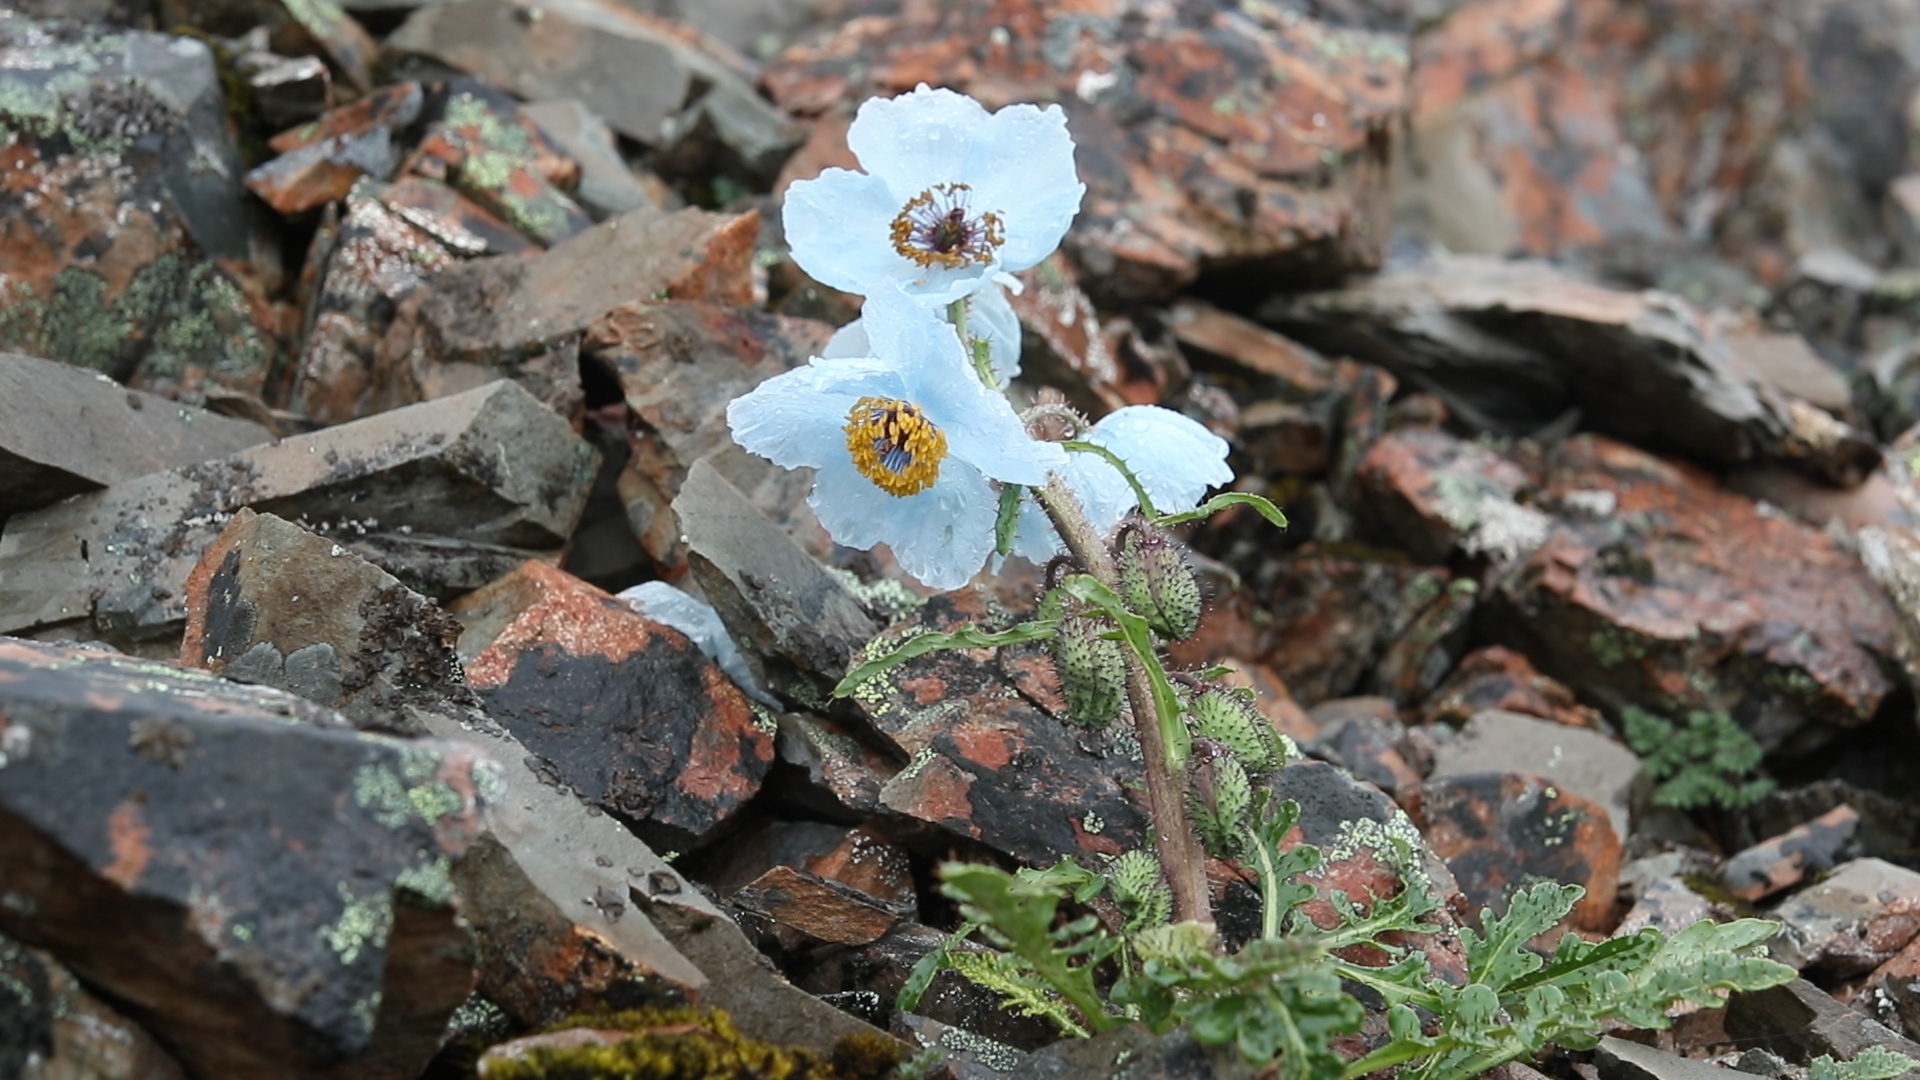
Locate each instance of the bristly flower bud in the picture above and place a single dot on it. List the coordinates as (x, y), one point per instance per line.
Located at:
(1219, 798)
(1140, 889)
(1227, 718)
(1092, 670)
(1156, 583)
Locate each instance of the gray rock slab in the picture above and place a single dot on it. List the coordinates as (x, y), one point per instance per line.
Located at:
(491, 466)
(607, 185)
(65, 430)
(1866, 911)
(1586, 763)
(1798, 1020)
(1619, 1059)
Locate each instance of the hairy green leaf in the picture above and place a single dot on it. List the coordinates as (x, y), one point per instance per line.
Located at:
(967, 637)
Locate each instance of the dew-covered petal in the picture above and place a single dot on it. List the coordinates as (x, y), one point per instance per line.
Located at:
(1175, 458)
(918, 139)
(1022, 168)
(941, 536)
(990, 315)
(837, 228)
(798, 418)
(849, 340)
(1034, 538)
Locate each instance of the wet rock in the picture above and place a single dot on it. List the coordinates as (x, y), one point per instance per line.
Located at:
(277, 887)
(1584, 762)
(484, 144)
(1852, 922)
(806, 623)
(321, 161)
(857, 857)
(1153, 94)
(272, 603)
(679, 364)
(403, 486)
(967, 1056)
(805, 909)
(57, 1030)
(1499, 678)
(1334, 617)
(1618, 1059)
(295, 27)
(1799, 1020)
(1133, 1053)
(844, 773)
(608, 186)
(1655, 587)
(523, 318)
(64, 431)
(650, 83)
(955, 1013)
(1513, 346)
(623, 710)
(129, 246)
(1435, 494)
(287, 90)
(1500, 831)
(1785, 860)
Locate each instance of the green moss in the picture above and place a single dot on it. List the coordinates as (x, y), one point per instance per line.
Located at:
(691, 1044)
(1612, 646)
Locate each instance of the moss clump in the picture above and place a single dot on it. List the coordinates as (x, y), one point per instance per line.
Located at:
(692, 1044)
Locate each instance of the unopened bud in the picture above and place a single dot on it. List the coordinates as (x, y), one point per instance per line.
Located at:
(1157, 585)
(1139, 889)
(1227, 718)
(1219, 799)
(1092, 671)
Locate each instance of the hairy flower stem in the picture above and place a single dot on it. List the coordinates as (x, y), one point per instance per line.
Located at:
(1174, 842)
(977, 351)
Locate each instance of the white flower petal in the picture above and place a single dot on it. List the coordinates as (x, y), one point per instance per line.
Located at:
(1034, 538)
(798, 418)
(837, 229)
(1104, 494)
(1175, 458)
(941, 536)
(849, 340)
(918, 139)
(990, 315)
(1036, 199)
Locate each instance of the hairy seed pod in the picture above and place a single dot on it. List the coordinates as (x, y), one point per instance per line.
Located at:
(1228, 718)
(1092, 671)
(1157, 585)
(1219, 799)
(1139, 889)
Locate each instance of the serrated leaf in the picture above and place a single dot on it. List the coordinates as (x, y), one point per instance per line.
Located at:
(1501, 956)
(1872, 1063)
(1212, 506)
(967, 637)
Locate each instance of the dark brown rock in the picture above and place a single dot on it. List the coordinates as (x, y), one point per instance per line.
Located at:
(1582, 761)
(806, 909)
(1618, 1059)
(1133, 1053)
(1893, 990)
(1500, 831)
(320, 162)
(402, 485)
(1066, 347)
(286, 90)
(1296, 372)
(263, 889)
(64, 431)
(57, 1030)
(847, 773)
(1495, 677)
(1365, 746)
(1334, 617)
(1656, 587)
(620, 708)
(1178, 118)
(1783, 861)
(857, 857)
(1853, 921)
(294, 27)
(1435, 494)
(1799, 1020)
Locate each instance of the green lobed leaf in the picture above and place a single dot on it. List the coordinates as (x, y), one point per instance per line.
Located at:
(1212, 506)
(967, 637)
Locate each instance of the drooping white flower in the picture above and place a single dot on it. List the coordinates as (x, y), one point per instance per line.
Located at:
(951, 195)
(696, 618)
(905, 442)
(1176, 459)
(990, 317)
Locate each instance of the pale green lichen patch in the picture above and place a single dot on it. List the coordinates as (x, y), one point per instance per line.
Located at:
(431, 879)
(364, 926)
(1395, 840)
(393, 796)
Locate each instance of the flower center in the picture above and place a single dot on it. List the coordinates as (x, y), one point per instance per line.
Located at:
(935, 229)
(894, 445)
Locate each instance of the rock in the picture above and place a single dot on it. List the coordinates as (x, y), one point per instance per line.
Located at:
(1428, 645)
(287, 90)
(523, 317)
(1065, 346)
(1132, 1053)
(1889, 828)
(1667, 905)
(1152, 93)
(806, 624)
(129, 246)
(966, 1055)
(321, 161)
(1334, 616)
(1893, 990)
(1618, 1059)
(57, 1030)
(857, 857)
(1434, 494)
(459, 224)
(1655, 587)
(1511, 347)
(623, 710)
(1501, 831)
(955, 1013)
(64, 431)
(276, 886)
(1499, 678)
(1584, 762)
(294, 26)
(608, 186)
(484, 144)
(1295, 371)
(1785, 860)
(1800, 1020)
(1852, 922)
(651, 84)
(1364, 744)
(402, 485)
(843, 772)
(806, 910)
(680, 363)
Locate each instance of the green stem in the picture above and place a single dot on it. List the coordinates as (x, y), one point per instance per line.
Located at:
(976, 351)
(1269, 886)
(1174, 842)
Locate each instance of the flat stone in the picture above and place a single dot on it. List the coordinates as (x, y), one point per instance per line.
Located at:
(843, 772)
(608, 186)
(622, 709)
(483, 143)
(1501, 831)
(1333, 617)
(114, 563)
(966, 1055)
(1668, 906)
(1365, 746)
(1618, 1059)
(816, 910)
(288, 90)
(321, 161)
(1889, 827)
(264, 890)
(1295, 370)
(57, 1030)
(304, 26)
(1852, 922)
(1799, 1020)
(858, 857)
(1783, 861)
(64, 431)
(1152, 93)
(127, 242)
(1496, 677)
(462, 226)
(1511, 346)
(1435, 494)
(1583, 761)
(1657, 588)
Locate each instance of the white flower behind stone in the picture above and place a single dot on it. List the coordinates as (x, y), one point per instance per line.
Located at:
(951, 195)
(906, 442)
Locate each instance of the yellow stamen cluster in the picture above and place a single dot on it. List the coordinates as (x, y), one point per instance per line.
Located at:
(894, 445)
(933, 229)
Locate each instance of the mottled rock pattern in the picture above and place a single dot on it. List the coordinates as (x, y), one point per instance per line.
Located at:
(1435, 494)
(1852, 922)
(482, 142)
(1584, 762)
(1799, 1021)
(54, 1029)
(806, 909)
(320, 161)
(1496, 677)
(1783, 861)
(1333, 618)
(278, 885)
